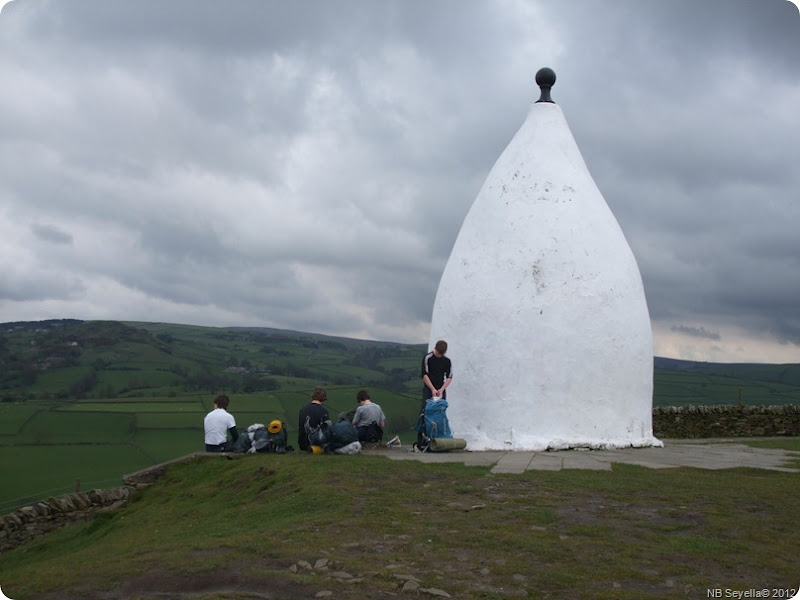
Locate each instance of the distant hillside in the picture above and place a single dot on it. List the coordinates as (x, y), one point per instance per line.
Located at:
(72, 359)
(778, 373)
(682, 382)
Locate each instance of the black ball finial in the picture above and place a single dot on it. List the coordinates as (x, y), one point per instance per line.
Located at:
(545, 79)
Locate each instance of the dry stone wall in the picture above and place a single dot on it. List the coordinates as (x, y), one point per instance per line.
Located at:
(726, 421)
(30, 522)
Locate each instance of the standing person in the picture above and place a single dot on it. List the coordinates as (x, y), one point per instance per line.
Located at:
(312, 415)
(369, 419)
(436, 373)
(218, 424)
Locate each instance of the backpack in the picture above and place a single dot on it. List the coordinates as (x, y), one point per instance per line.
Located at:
(436, 423)
(341, 434)
(271, 439)
(279, 440)
(242, 443)
(320, 436)
(432, 423)
(371, 433)
(332, 437)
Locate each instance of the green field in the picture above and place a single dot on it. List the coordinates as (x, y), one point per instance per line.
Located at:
(679, 388)
(166, 420)
(14, 416)
(41, 471)
(66, 427)
(163, 445)
(135, 407)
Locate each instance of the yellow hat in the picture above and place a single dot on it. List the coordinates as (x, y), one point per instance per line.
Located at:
(275, 426)
(316, 449)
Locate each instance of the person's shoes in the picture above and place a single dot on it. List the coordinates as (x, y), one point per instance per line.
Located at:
(395, 441)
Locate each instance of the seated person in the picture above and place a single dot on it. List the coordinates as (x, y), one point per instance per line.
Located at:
(218, 424)
(312, 415)
(369, 419)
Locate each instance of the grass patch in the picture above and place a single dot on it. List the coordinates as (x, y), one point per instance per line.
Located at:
(14, 416)
(630, 533)
(43, 471)
(161, 445)
(169, 420)
(61, 427)
(792, 444)
(135, 407)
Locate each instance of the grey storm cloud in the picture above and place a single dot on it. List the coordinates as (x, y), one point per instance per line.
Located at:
(308, 165)
(51, 234)
(696, 332)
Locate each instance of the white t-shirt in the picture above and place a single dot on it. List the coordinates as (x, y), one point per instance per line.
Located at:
(217, 423)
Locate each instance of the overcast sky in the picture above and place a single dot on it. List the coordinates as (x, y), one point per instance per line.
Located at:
(307, 164)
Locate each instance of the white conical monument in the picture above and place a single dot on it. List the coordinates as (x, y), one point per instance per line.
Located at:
(542, 305)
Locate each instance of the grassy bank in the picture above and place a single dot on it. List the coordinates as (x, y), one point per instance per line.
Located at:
(224, 529)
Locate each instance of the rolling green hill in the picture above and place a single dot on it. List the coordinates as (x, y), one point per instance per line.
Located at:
(679, 383)
(82, 402)
(69, 360)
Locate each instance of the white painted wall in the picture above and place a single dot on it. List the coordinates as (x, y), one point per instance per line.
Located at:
(543, 308)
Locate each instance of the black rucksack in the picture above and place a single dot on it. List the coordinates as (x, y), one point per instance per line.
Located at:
(341, 434)
(372, 433)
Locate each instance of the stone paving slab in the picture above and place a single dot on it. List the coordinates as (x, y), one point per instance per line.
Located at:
(513, 462)
(586, 460)
(699, 454)
(543, 461)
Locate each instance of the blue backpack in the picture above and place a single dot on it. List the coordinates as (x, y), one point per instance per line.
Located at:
(435, 423)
